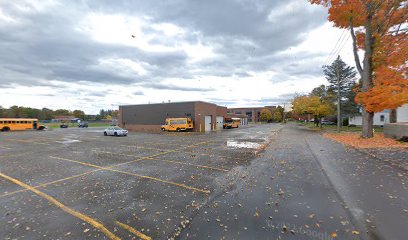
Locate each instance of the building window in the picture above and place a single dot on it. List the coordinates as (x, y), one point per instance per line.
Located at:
(382, 118)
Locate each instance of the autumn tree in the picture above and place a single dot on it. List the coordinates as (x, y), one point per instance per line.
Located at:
(266, 115)
(325, 93)
(78, 113)
(311, 105)
(379, 28)
(27, 112)
(46, 114)
(278, 114)
(62, 112)
(341, 78)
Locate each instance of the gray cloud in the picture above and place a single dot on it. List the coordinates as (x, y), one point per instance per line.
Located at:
(278, 100)
(163, 86)
(138, 93)
(246, 36)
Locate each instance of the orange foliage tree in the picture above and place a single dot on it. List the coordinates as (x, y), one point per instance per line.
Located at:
(381, 32)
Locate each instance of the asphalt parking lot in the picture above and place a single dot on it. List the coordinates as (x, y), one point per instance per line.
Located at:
(78, 184)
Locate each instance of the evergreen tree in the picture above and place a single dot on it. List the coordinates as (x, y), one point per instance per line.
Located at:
(342, 80)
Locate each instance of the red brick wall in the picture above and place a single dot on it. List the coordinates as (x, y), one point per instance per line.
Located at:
(143, 128)
(203, 109)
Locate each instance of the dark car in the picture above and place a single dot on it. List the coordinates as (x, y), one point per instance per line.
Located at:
(64, 125)
(83, 125)
(325, 122)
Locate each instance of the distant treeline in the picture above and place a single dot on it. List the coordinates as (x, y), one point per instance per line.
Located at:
(48, 114)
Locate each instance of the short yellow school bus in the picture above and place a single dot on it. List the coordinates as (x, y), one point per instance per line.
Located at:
(231, 122)
(15, 124)
(178, 124)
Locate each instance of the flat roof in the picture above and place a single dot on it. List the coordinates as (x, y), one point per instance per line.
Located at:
(169, 103)
(241, 108)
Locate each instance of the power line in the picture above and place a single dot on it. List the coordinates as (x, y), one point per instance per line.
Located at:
(342, 46)
(331, 52)
(341, 38)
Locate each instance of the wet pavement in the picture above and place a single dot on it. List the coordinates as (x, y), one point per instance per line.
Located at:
(78, 184)
(267, 181)
(307, 187)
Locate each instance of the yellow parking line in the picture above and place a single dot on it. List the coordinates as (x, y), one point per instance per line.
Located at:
(136, 175)
(89, 172)
(4, 147)
(132, 230)
(66, 209)
(207, 154)
(120, 154)
(53, 182)
(190, 164)
(148, 148)
(172, 144)
(171, 161)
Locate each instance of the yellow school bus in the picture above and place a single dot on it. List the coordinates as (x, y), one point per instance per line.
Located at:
(231, 122)
(178, 124)
(15, 124)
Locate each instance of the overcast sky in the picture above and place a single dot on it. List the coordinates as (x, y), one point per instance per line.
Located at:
(100, 54)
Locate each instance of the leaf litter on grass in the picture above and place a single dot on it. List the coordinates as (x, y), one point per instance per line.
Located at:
(355, 140)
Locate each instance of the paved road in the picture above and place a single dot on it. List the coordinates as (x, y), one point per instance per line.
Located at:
(78, 184)
(307, 187)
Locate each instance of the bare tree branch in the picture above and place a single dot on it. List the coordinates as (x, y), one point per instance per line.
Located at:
(355, 50)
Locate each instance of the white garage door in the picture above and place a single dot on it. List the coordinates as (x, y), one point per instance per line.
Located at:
(220, 122)
(207, 123)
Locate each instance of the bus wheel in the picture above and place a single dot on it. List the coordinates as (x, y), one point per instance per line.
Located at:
(178, 130)
(5, 129)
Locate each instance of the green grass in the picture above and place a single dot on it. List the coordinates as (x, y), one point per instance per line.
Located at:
(334, 128)
(90, 124)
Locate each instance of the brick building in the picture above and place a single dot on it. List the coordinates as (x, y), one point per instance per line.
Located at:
(150, 117)
(253, 113)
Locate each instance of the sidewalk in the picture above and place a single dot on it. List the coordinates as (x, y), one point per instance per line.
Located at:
(281, 195)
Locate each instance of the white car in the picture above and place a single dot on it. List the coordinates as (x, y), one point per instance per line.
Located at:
(115, 131)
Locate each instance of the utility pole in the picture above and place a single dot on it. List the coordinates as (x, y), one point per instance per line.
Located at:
(339, 120)
(112, 115)
(283, 114)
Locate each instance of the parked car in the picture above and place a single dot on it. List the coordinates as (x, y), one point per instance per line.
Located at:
(64, 125)
(115, 131)
(325, 122)
(83, 125)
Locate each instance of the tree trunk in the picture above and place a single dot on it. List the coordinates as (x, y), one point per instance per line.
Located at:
(368, 124)
(393, 116)
(367, 76)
